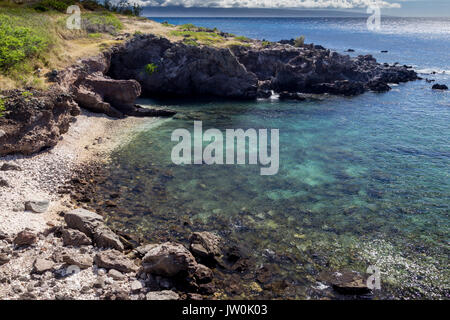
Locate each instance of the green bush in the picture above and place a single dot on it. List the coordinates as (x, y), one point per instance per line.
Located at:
(18, 43)
(299, 42)
(101, 22)
(188, 26)
(58, 5)
(266, 43)
(2, 107)
(151, 68)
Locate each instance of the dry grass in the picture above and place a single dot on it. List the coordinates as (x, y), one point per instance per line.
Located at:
(68, 46)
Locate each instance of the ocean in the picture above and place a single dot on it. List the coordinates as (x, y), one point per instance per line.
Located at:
(363, 181)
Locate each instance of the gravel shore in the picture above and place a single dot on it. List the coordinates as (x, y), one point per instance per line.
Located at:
(91, 138)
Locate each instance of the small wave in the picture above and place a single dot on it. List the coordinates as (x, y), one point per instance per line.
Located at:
(432, 71)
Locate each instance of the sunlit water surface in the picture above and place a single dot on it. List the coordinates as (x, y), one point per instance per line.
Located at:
(362, 181)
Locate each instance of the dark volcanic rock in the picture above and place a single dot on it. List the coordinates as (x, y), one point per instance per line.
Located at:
(182, 70)
(311, 69)
(440, 87)
(35, 122)
(291, 96)
(346, 282)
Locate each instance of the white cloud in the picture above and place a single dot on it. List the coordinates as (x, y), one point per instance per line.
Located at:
(336, 4)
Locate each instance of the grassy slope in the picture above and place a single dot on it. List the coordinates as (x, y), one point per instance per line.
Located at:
(63, 47)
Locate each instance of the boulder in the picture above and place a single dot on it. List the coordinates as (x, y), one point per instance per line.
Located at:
(37, 205)
(105, 238)
(72, 237)
(203, 274)
(346, 282)
(25, 238)
(169, 259)
(182, 70)
(4, 258)
(136, 286)
(113, 259)
(10, 167)
(37, 122)
(3, 183)
(83, 261)
(116, 275)
(162, 295)
(94, 227)
(42, 265)
(83, 220)
(439, 87)
(205, 244)
(378, 86)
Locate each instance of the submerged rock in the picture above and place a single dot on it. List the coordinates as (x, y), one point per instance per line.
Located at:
(439, 87)
(205, 245)
(346, 282)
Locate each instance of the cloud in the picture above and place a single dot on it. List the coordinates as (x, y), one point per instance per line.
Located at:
(335, 4)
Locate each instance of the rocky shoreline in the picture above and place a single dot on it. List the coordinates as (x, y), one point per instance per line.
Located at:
(52, 243)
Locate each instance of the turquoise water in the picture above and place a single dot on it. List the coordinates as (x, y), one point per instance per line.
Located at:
(362, 181)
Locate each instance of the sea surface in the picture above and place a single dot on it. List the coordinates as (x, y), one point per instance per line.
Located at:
(362, 181)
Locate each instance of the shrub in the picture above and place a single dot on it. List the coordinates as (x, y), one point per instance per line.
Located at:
(58, 5)
(151, 68)
(242, 39)
(18, 43)
(299, 42)
(266, 43)
(188, 27)
(2, 107)
(101, 22)
(190, 42)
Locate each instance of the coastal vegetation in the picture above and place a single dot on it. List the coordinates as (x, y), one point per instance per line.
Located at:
(151, 68)
(299, 42)
(2, 107)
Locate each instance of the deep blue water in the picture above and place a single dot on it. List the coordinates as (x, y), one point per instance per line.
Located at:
(363, 180)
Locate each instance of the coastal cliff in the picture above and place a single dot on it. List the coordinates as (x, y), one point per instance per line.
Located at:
(110, 82)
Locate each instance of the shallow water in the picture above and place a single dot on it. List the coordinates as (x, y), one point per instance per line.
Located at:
(362, 181)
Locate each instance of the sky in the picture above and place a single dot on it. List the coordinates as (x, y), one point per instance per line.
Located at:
(388, 7)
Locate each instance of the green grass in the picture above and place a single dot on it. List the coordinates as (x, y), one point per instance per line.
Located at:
(243, 39)
(190, 42)
(199, 36)
(151, 68)
(266, 44)
(58, 5)
(2, 107)
(300, 41)
(102, 21)
(24, 36)
(188, 27)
